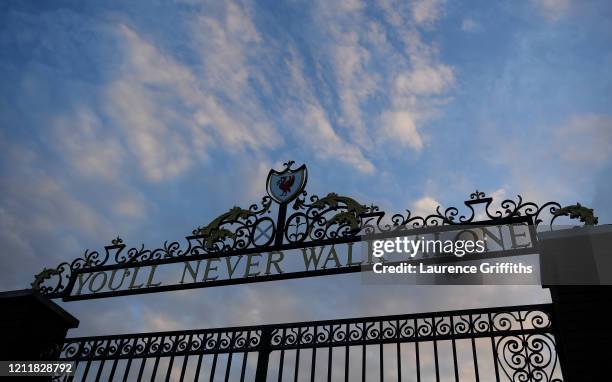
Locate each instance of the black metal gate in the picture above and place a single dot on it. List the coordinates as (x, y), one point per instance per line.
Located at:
(494, 344)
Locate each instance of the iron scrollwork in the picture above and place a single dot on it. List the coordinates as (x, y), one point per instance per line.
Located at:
(312, 221)
(162, 344)
(333, 216)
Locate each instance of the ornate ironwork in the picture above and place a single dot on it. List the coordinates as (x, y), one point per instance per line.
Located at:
(578, 211)
(313, 221)
(163, 344)
(413, 327)
(521, 339)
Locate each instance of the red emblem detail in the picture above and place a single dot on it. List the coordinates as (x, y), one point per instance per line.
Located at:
(285, 183)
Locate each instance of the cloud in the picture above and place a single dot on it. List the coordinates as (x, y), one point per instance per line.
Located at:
(349, 57)
(170, 117)
(418, 89)
(425, 80)
(376, 34)
(426, 11)
(424, 206)
(134, 101)
(417, 80)
(468, 24)
(585, 141)
(320, 134)
(41, 217)
(156, 321)
(84, 143)
(130, 207)
(564, 157)
(400, 127)
(553, 9)
(366, 64)
(224, 43)
(318, 131)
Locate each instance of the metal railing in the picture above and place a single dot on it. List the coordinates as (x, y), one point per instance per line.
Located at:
(503, 344)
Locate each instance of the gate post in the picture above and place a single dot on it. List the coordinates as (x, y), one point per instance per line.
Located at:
(32, 327)
(576, 266)
(261, 373)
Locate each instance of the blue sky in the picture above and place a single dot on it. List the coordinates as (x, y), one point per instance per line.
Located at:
(146, 120)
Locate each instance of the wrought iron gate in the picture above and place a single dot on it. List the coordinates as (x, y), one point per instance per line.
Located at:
(500, 344)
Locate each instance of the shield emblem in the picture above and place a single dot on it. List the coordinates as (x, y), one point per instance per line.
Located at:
(284, 186)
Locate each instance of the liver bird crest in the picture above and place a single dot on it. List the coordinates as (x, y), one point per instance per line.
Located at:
(285, 183)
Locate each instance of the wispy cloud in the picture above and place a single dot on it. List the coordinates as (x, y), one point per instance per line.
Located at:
(585, 141)
(170, 116)
(468, 24)
(553, 9)
(426, 11)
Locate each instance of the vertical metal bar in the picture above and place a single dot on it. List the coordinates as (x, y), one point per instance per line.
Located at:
(263, 357)
(329, 362)
(76, 364)
(184, 367)
(281, 366)
(186, 358)
(435, 344)
(245, 356)
(142, 366)
(380, 352)
(155, 365)
(129, 361)
(213, 367)
(99, 373)
(346, 355)
(313, 359)
(456, 368)
(282, 358)
(474, 355)
(144, 360)
(199, 365)
(493, 349)
(416, 348)
(244, 363)
(399, 361)
(112, 373)
(87, 365)
(346, 363)
(114, 367)
(280, 224)
(228, 367)
(160, 349)
(229, 357)
(363, 359)
(399, 352)
(330, 352)
(170, 364)
(297, 355)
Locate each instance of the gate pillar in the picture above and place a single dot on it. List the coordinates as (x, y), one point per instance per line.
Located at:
(576, 266)
(32, 326)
